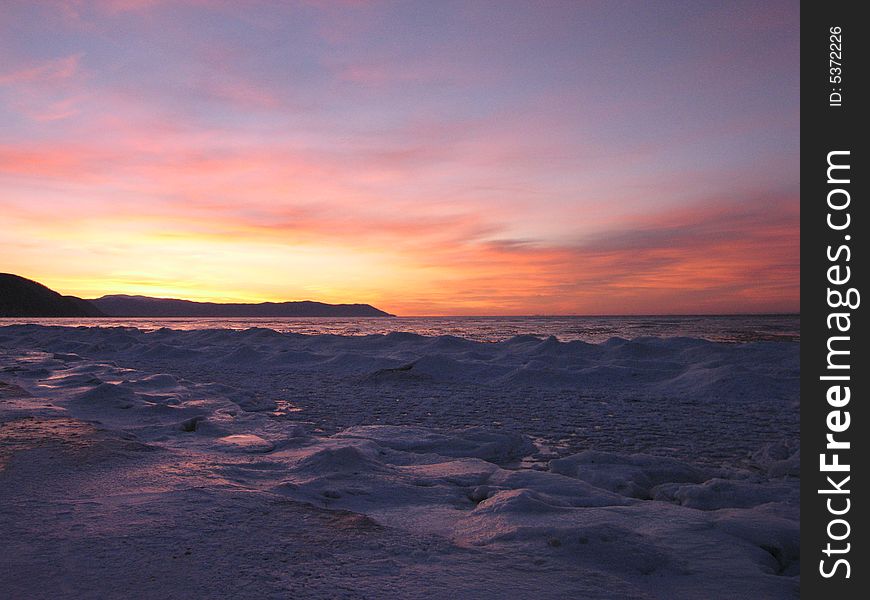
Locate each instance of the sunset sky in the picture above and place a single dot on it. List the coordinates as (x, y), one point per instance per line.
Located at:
(429, 158)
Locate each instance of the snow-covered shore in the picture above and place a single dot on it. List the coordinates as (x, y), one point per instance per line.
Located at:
(257, 464)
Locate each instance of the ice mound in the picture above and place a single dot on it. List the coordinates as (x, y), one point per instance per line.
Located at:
(332, 459)
(560, 490)
(629, 475)
(492, 446)
(349, 362)
(245, 442)
(243, 354)
(252, 402)
(779, 459)
(522, 501)
(718, 493)
(159, 381)
(105, 394)
(158, 351)
(74, 379)
(470, 474)
(212, 426)
(439, 367)
(777, 538)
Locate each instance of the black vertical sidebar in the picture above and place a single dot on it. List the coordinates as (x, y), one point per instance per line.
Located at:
(834, 226)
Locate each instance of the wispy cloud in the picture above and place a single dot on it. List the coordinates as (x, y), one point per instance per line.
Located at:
(50, 71)
(43, 91)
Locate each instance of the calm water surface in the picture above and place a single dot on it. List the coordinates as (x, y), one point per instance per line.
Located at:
(487, 329)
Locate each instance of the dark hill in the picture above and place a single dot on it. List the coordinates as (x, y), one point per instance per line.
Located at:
(144, 306)
(20, 297)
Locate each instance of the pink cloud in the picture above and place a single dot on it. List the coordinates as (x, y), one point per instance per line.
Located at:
(45, 91)
(702, 258)
(50, 71)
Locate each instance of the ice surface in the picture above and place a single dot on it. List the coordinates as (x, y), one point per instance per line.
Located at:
(256, 464)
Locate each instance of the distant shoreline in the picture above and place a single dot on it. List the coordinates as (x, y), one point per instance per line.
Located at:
(730, 329)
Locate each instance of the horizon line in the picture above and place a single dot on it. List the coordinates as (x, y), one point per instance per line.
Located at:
(409, 316)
